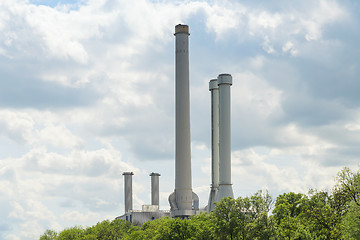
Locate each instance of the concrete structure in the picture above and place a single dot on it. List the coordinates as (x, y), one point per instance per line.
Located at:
(154, 188)
(148, 212)
(128, 190)
(214, 89)
(225, 186)
(181, 200)
(139, 217)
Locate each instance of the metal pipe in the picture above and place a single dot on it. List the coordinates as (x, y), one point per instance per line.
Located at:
(154, 188)
(214, 89)
(225, 186)
(128, 191)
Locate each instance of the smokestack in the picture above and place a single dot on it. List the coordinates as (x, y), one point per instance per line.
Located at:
(214, 89)
(154, 188)
(225, 186)
(128, 191)
(182, 198)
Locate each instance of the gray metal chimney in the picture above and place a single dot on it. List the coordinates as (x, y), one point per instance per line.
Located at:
(181, 200)
(225, 186)
(128, 191)
(154, 188)
(214, 89)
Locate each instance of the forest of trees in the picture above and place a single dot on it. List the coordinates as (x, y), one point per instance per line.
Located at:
(317, 215)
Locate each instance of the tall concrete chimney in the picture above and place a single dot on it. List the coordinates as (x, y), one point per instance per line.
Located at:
(181, 200)
(128, 191)
(225, 186)
(154, 188)
(214, 89)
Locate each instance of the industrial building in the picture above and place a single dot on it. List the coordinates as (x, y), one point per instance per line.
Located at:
(183, 201)
(148, 212)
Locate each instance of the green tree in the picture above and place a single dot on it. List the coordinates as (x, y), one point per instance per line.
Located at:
(350, 223)
(347, 195)
(226, 218)
(260, 225)
(49, 235)
(287, 216)
(180, 229)
(202, 227)
(157, 229)
(116, 229)
(73, 233)
(347, 188)
(321, 216)
(244, 218)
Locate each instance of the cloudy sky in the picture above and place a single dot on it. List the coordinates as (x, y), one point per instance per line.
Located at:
(87, 92)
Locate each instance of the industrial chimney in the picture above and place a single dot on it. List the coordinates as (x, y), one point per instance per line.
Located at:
(181, 201)
(154, 188)
(225, 186)
(128, 191)
(214, 89)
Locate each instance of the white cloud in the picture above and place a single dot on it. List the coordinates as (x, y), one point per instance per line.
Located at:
(17, 126)
(43, 177)
(222, 18)
(76, 216)
(324, 13)
(60, 136)
(289, 47)
(256, 95)
(305, 20)
(18, 212)
(12, 237)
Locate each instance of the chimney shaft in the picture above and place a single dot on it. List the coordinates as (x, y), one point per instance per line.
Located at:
(214, 89)
(181, 200)
(225, 186)
(154, 188)
(128, 191)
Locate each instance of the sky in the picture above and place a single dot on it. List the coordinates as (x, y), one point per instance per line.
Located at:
(87, 92)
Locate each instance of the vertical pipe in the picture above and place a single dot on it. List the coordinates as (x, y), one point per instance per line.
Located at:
(128, 191)
(225, 186)
(183, 185)
(214, 89)
(154, 188)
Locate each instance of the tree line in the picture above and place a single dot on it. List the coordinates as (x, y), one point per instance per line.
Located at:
(318, 215)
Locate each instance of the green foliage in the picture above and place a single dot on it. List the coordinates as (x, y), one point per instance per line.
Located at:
(321, 215)
(156, 229)
(226, 219)
(296, 216)
(116, 229)
(49, 235)
(347, 192)
(244, 218)
(74, 233)
(287, 216)
(348, 186)
(202, 227)
(350, 223)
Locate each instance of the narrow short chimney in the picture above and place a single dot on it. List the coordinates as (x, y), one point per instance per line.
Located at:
(128, 191)
(154, 188)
